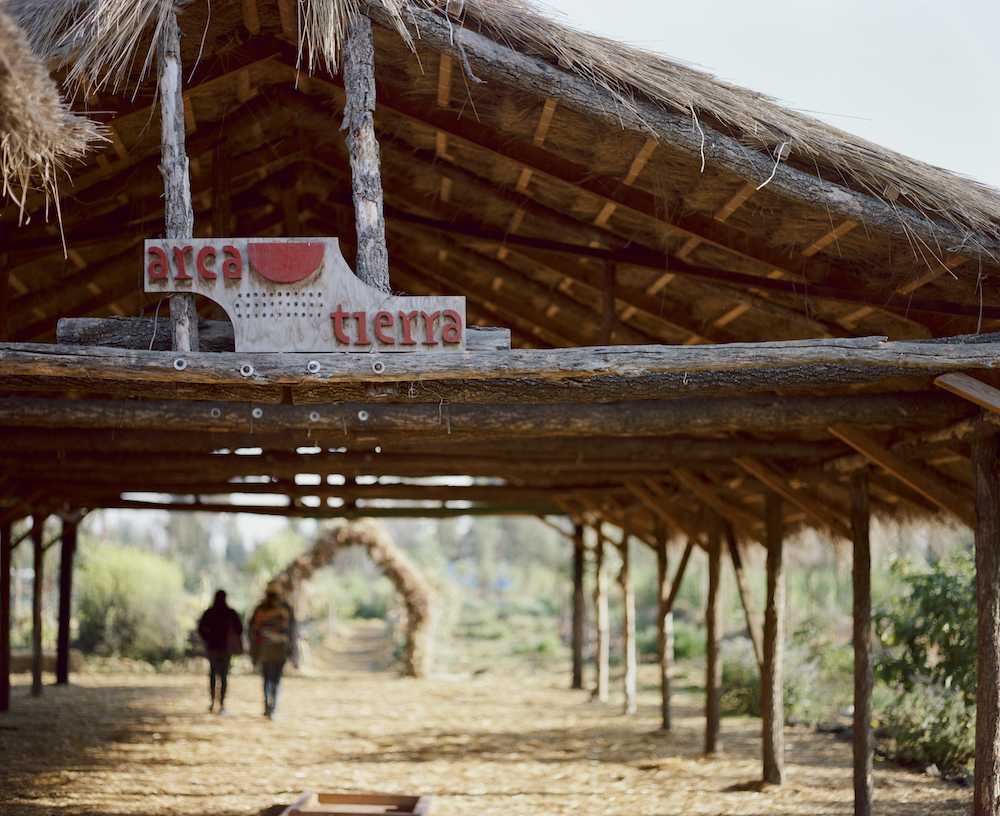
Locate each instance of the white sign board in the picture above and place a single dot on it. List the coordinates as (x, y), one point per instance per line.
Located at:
(299, 294)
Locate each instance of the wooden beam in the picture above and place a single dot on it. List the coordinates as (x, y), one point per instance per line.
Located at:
(923, 483)
(806, 503)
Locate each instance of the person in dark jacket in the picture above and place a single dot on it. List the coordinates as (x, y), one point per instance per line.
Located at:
(222, 630)
(272, 642)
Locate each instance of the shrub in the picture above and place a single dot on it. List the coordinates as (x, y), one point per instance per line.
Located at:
(131, 604)
(929, 630)
(813, 671)
(927, 725)
(689, 640)
(928, 634)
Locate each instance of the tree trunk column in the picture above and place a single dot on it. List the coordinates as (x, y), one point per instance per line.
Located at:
(6, 550)
(65, 597)
(359, 83)
(985, 472)
(628, 624)
(713, 650)
(601, 655)
(863, 671)
(772, 694)
(38, 594)
(578, 606)
(178, 211)
(664, 627)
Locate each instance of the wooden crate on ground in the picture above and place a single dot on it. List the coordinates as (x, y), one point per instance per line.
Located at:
(358, 804)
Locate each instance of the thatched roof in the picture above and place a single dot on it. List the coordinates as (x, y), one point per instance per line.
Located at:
(39, 134)
(577, 192)
(110, 44)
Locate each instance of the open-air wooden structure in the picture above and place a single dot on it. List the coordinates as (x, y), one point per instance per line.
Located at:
(691, 312)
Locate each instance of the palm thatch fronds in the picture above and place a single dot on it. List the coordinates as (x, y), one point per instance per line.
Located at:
(39, 134)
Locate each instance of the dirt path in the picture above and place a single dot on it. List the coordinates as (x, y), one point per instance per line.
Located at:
(505, 741)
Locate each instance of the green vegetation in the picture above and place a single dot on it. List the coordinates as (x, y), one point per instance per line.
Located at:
(928, 661)
(131, 604)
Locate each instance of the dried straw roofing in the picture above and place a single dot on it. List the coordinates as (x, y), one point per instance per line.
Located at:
(108, 43)
(39, 135)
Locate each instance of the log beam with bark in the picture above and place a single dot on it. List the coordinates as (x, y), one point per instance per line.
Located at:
(917, 358)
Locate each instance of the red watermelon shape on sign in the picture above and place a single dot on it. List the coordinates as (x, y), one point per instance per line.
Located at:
(286, 262)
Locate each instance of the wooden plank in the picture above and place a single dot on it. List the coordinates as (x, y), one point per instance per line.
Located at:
(799, 498)
(983, 395)
(926, 485)
(250, 17)
(444, 81)
(359, 804)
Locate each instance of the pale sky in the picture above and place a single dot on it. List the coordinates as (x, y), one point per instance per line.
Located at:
(917, 76)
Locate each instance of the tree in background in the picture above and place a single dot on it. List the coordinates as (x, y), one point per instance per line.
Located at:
(131, 604)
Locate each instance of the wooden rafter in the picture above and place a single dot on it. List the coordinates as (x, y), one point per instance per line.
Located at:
(809, 505)
(742, 519)
(924, 483)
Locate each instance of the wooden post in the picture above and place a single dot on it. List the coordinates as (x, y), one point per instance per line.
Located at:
(6, 549)
(359, 83)
(985, 474)
(863, 672)
(601, 613)
(578, 606)
(628, 625)
(178, 212)
(753, 622)
(38, 595)
(772, 695)
(664, 626)
(65, 596)
(713, 650)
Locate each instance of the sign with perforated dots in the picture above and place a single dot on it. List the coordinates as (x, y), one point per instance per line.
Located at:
(299, 294)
